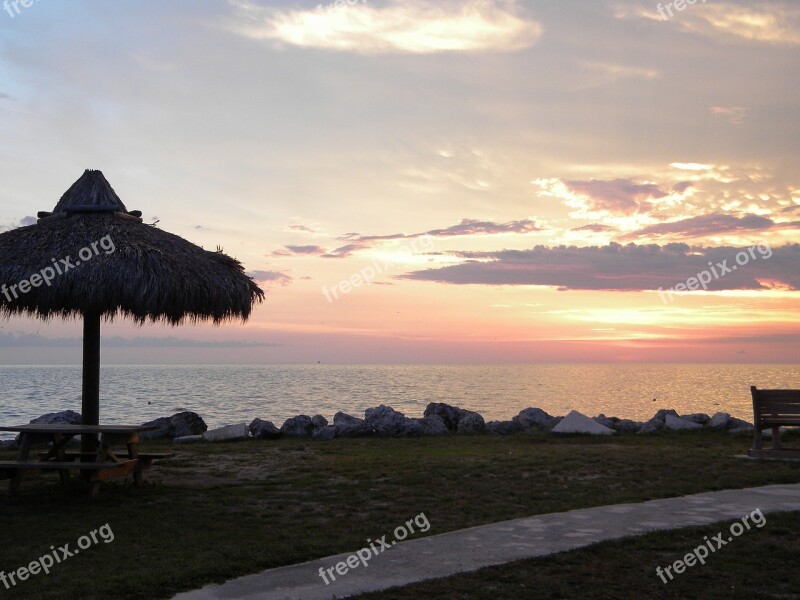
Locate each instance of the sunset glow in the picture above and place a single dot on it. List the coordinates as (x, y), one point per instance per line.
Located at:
(415, 181)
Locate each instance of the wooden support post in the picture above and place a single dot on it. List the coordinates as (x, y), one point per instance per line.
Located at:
(90, 397)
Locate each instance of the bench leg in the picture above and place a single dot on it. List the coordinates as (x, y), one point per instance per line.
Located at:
(26, 441)
(776, 438)
(757, 441)
(58, 446)
(133, 452)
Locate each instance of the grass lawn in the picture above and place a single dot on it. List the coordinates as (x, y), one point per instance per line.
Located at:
(218, 511)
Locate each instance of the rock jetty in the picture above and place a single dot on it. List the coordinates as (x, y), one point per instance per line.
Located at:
(438, 419)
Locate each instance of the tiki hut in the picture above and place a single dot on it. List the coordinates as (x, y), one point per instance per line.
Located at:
(93, 258)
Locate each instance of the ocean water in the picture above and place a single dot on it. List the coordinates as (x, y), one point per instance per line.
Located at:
(226, 394)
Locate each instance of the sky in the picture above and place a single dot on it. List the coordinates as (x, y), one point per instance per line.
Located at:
(483, 181)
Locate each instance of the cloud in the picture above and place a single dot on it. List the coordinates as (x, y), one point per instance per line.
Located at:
(307, 249)
(598, 197)
(24, 222)
(595, 228)
(766, 23)
(302, 228)
(401, 26)
(345, 251)
(466, 227)
(707, 225)
(27, 340)
(615, 72)
(634, 11)
(298, 250)
(622, 268)
(268, 277)
(762, 22)
(734, 114)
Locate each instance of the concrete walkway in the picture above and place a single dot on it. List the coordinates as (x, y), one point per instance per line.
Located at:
(471, 549)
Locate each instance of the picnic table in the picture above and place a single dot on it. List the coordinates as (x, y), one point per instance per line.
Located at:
(97, 466)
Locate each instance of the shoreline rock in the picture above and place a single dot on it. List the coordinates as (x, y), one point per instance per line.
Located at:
(439, 419)
(229, 433)
(180, 424)
(576, 422)
(349, 426)
(264, 430)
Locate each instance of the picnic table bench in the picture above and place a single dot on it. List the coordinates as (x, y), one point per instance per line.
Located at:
(774, 409)
(104, 464)
(145, 458)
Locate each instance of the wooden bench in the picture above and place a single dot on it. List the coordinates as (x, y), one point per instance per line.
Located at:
(774, 409)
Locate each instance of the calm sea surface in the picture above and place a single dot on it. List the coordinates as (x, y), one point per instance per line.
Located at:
(225, 394)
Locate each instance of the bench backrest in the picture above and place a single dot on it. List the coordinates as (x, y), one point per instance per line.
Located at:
(776, 407)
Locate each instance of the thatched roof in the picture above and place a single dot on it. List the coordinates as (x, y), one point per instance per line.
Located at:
(90, 193)
(149, 275)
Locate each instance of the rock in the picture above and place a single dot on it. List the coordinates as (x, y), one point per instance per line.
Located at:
(765, 433)
(701, 418)
(627, 426)
(68, 417)
(163, 429)
(318, 421)
(651, 427)
(472, 423)
(188, 439)
(187, 423)
(349, 426)
(657, 422)
(503, 427)
(604, 420)
(618, 425)
(433, 425)
(536, 418)
(299, 426)
(178, 425)
(264, 430)
(386, 421)
(325, 433)
(228, 433)
(412, 428)
(576, 422)
(735, 425)
(676, 423)
(451, 415)
(719, 421)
